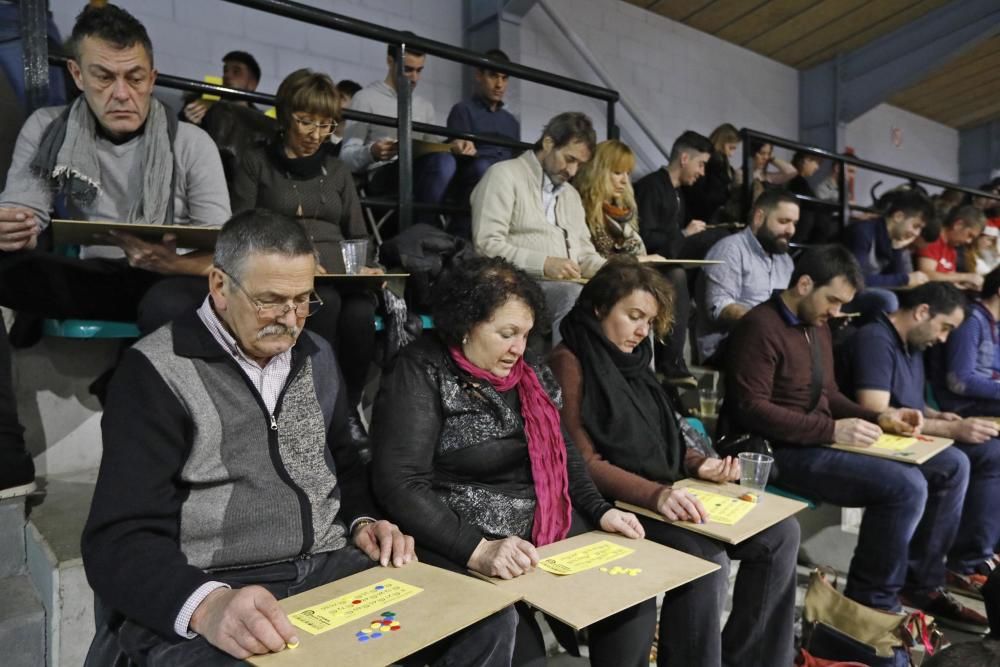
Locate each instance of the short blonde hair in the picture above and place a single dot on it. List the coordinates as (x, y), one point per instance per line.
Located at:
(306, 91)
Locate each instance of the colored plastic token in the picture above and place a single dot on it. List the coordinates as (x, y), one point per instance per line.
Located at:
(292, 645)
(363, 638)
(379, 588)
(376, 635)
(389, 614)
(355, 601)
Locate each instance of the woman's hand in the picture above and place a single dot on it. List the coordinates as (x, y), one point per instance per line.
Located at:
(507, 558)
(680, 505)
(720, 470)
(624, 523)
(371, 271)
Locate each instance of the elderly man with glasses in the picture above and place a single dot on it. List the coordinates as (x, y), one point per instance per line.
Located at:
(227, 481)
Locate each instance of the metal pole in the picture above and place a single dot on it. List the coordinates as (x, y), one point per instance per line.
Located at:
(612, 128)
(845, 200)
(35, 48)
(404, 112)
(747, 177)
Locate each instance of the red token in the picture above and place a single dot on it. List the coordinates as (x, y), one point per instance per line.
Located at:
(355, 601)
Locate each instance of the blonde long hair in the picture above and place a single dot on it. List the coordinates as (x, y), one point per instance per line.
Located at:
(593, 181)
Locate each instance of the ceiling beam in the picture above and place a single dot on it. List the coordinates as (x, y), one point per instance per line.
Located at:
(839, 90)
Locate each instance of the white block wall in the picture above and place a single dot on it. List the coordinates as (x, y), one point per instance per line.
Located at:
(681, 78)
(191, 36)
(928, 147)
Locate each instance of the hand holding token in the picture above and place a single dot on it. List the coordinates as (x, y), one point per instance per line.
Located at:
(507, 558)
(243, 622)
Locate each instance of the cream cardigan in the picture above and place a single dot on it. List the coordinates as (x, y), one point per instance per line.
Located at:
(508, 220)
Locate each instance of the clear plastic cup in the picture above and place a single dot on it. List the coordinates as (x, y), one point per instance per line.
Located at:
(754, 470)
(355, 253)
(708, 401)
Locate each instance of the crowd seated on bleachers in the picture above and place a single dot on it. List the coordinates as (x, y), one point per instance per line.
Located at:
(253, 480)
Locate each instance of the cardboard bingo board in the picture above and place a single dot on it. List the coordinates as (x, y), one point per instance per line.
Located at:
(358, 280)
(88, 232)
(603, 574)
(683, 263)
(769, 510)
(382, 615)
(904, 449)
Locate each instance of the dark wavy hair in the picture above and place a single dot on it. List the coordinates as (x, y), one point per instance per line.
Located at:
(470, 292)
(622, 275)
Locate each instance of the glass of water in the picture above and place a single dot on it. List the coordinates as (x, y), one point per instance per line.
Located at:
(355, 253)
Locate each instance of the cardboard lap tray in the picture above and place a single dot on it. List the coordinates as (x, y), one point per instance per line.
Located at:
(683, 263)
(769, 511)
(92, 232)
(584, 598)
(448, 603)
(925, 448)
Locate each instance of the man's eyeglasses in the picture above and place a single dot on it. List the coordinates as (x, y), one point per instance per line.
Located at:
(309, 126)
(272, 311)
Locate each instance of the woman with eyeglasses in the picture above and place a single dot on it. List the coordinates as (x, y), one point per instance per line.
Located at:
(298, 174)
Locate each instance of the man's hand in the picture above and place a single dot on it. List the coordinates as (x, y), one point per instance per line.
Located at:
(384, 149)
(383, 541)
(507, 558)
(903, 421)
(720, 470)
(970, 281)
(463, 147)
(560, 268)
(19, 229)
(974, 430)
(680, 505)
(857, 432)
(916, 279)
(694, 227)
(243, 622)
(623, 523)
(195, 111)
(156, 257)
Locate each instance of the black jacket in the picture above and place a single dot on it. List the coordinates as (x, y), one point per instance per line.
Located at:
(661, 214)
(451, 460)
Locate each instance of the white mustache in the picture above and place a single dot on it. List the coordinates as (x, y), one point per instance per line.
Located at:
(277, 330)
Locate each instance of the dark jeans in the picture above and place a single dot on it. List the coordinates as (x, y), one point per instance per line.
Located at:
(979, 529)
(759, 632)
(911, 514)
(11, 431)
(432, 174)
(488, 642)
(468, 174)
(670, 353)
(346, 321)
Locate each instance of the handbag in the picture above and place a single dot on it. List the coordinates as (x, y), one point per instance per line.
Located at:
(734, 445)
(837, 628)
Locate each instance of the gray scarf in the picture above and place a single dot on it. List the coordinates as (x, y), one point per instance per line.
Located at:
(67, 154)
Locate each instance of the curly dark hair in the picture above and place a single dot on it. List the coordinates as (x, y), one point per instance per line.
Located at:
(471, 291)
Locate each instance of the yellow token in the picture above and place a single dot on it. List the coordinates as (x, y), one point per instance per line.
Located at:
(292, 645)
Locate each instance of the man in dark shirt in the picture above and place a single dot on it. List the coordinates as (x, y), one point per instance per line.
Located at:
(483, 113)
(661, 204)
(780, 385)
(880, 245)
(884, 366)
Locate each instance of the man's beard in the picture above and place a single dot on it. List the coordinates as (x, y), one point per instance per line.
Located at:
(774, 245)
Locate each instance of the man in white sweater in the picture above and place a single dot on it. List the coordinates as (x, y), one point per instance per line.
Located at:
(526, 211)
(372, 149)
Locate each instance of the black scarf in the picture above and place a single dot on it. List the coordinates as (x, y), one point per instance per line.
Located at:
(308, 167)
(625, 411)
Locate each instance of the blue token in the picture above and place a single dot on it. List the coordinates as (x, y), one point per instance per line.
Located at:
(376, 635)
(379, 588)
(363, 638)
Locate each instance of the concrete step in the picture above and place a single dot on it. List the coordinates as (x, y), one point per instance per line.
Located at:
(52, 538)
(12, 537)
(22, 623)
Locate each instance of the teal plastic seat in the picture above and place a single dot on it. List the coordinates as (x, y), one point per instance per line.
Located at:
(425, 320)
(778, 491)
(89, 329)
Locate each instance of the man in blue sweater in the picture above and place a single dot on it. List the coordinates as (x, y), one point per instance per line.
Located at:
(966, 374)
(885, 368)
(880, 245)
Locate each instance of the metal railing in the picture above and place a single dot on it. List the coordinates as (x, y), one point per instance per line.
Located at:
(843, 204)
(404, 117)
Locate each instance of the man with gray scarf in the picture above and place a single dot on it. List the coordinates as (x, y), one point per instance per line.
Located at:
(113, 154)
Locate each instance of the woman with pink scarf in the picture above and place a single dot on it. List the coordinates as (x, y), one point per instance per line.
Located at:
(470, 456)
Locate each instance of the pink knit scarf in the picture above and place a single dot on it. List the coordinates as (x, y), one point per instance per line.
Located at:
(546, 447)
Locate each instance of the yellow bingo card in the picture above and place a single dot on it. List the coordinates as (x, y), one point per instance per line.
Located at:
(584, 558)
(352, 606)
(722, 509)
(895, 443)
(215, 81)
